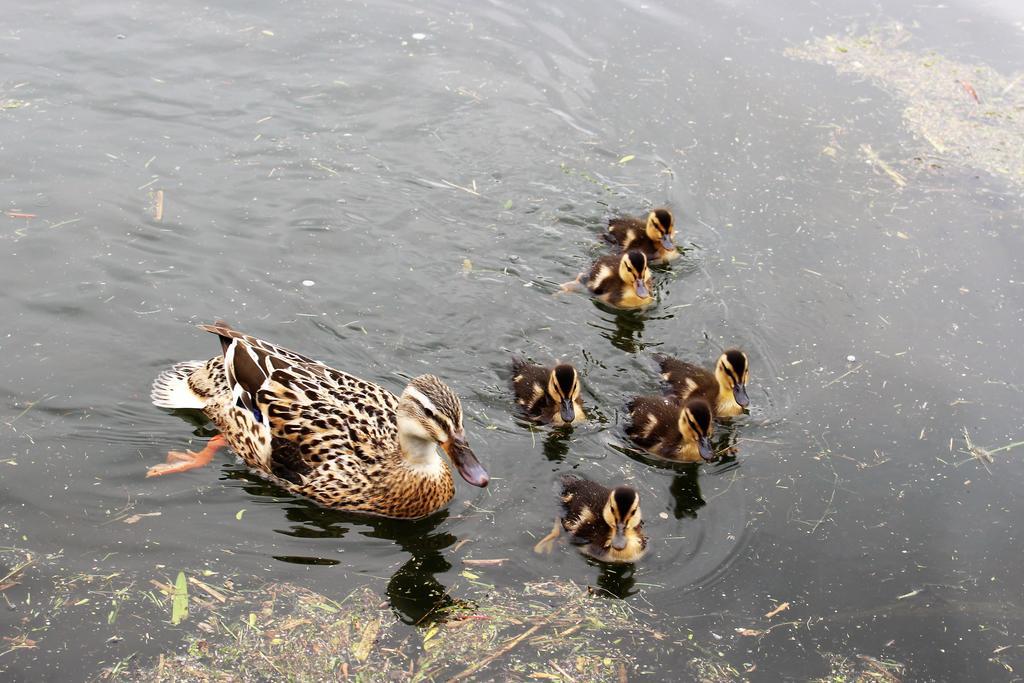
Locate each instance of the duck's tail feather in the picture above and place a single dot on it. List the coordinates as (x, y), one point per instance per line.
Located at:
(171, 389)
(518, 363)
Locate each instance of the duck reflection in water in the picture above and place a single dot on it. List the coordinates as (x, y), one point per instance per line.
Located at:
(556, 444)
(624, 329)
(415, 594)
(614, 580)
(685, 490)
(685, 487)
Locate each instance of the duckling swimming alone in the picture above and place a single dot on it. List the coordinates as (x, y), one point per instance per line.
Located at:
(654, 236)
(605, 523)
(619, 280)
(725, 389)
(672, 429)
(548, 395)
(344, 442)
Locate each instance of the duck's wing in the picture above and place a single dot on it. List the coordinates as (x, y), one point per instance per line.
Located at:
(313, 412)
(624, 231)
(529, 382)
(686, 378)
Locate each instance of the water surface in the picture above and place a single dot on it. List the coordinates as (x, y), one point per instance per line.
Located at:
(397, 188)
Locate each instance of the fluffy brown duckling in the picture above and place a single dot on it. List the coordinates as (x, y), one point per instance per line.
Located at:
(548, 395)
(619, 280)
(672, 429)
(605, 523)
(653, 235)
(725, 389)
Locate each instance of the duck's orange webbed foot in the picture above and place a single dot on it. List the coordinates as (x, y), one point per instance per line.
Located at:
(571, 286)
(178, 461)
(547, 544)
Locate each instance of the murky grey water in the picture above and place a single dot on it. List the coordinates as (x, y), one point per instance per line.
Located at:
(372, 149)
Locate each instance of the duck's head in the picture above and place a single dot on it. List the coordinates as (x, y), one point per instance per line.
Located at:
(564, 389)
(622, 515)
(661, 228)
(429, 414)
(634, 272)
(732, 372)
(696, 426)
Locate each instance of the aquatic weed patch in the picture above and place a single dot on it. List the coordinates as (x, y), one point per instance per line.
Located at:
(550, 630)
(970, 114)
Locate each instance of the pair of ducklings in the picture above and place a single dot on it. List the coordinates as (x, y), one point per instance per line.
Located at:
(623, 280)
(607, 523)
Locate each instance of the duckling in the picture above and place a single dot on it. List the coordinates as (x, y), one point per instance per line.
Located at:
(725, 389)
(605, 523)
(620, 280)
(548, 395)
(655, 236)
(672, 429)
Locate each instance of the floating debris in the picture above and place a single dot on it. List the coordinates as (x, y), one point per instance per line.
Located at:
(987, 136)
(158, 206)
(179, 601)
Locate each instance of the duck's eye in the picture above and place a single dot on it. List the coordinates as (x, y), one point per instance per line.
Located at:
(436, 419)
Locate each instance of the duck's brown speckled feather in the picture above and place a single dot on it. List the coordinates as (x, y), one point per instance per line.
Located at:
(629, 232)
(314, 430)
(686, 379)
(654, 424)
(529, 383)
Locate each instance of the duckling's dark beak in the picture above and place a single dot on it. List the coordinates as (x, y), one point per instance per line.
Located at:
(739, 392)
(706, 450)
(619, 539)
(465, 461)
(567, 410)
(641, 289)
(667, 243)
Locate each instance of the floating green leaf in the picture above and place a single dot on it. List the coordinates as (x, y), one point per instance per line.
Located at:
(238, 515)
(626, 159)
(179, 604)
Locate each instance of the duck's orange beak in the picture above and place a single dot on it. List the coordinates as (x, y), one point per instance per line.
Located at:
(465, 461)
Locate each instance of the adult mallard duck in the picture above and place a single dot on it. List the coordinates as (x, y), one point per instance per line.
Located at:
(619, 280)
(548, 395)
(344, 442)
(725, 389)
(672, 429)
(605, 523)
(653, 235)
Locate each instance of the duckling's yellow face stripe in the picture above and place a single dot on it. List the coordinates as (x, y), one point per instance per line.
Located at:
(730, 373)
(557, 390)
(690, 427)
(657, 228)
(628, 270)
(554, 391)
(610, 513)
(613, 516)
